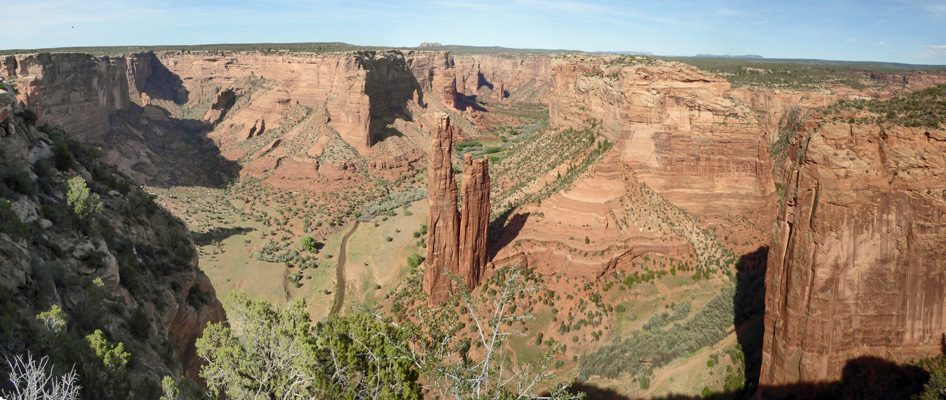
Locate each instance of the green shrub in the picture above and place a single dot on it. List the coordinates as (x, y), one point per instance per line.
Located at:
(18, 181)
(414, 260)
(114, 357)
(62, 155)
(84, 204)
(310, 244)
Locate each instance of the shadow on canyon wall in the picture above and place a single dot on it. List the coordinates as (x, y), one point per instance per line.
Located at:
(161, 83)
(170, 151)
(218, 234)
(390, 86)
(504, 229)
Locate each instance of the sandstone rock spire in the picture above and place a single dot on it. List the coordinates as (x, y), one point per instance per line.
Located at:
(443, 220)
(474, 220)
(455, 245)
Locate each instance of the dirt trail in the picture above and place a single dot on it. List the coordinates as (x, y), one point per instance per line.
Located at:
(340, 272)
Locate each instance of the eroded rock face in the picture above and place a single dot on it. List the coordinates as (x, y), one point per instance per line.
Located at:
(474, 221)
(524, 79)
(857, 266)
(75, 91)
(443, 227)
(677, 127)
(218, 110)
(147, 264)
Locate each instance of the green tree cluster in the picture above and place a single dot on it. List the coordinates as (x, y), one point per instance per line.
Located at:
(84, 204)
(268, 352)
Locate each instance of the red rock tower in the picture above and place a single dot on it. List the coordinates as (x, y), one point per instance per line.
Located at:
(474, 220)
(455, 245)
(443, 220)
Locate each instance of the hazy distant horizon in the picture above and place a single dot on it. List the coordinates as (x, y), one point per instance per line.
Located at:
(900, 31)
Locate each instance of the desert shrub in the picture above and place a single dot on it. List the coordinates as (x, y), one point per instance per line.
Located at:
(387, 204)
(113, 356)
(62, 154)
(273, 252)
(414, 260)
(310, 244)
(84, 204)
(662, 345)
(29, 117)
(139, 325)
(465, 146)
(17, 181)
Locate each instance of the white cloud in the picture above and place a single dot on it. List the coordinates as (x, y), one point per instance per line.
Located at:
(850, 40)
(932, 51)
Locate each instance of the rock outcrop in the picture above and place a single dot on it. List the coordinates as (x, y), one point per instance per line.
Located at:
(443, 227)
(456, 243)
(474, 221)
(218, 110)
(151, 287)
(857, 264)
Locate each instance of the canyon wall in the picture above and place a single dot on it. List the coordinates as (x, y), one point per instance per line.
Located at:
(677, 127)
(856, 268)
(151, 286)
(522, 78)
(75, 91)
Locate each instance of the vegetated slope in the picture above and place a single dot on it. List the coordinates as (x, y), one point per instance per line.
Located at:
(856, 266)
(83, 251)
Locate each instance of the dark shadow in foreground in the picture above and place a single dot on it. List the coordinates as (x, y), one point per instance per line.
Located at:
(218, 234)
(749, 311)
(864, 378)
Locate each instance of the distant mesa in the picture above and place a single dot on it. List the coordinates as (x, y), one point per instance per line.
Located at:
(745, 56)
(430, 44)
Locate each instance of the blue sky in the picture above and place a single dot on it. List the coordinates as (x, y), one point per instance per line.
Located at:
(910, 31)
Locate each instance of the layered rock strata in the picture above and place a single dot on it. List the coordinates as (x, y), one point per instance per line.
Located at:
(678, 127)
(456, 244)
(857, 266)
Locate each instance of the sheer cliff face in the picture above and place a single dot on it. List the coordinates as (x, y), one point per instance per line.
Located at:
(857, 264)
(474, 221)
(76, 91)
(443, 227)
